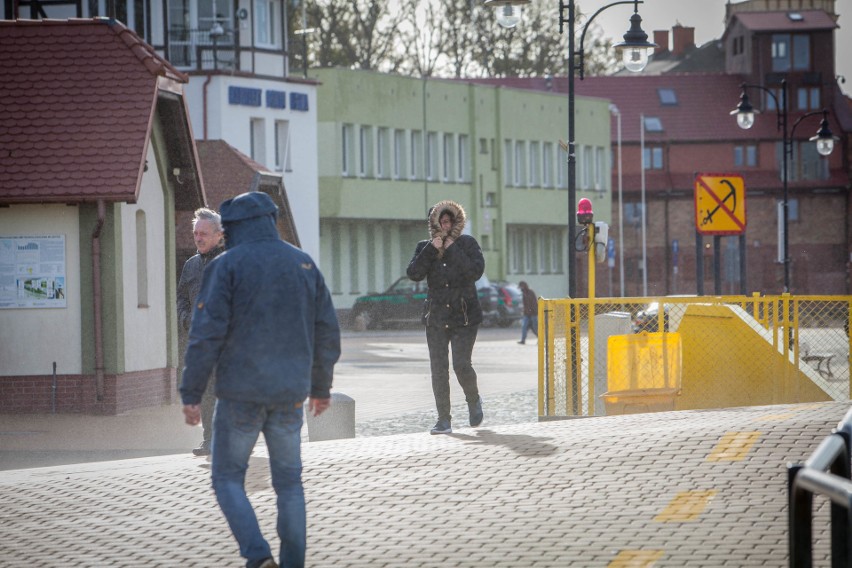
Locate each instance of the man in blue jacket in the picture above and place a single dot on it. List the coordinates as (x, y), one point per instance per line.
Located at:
(264, 320)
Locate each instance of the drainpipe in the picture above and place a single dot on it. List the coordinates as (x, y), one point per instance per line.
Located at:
(204, 102)
(96, 287)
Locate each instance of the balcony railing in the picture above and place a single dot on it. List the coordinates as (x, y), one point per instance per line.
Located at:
(196, 49)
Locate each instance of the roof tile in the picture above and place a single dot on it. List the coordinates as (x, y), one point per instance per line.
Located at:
(78, 98)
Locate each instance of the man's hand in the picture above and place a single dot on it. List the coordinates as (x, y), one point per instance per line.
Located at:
(192, 414)
(317, 406)
(438, 243)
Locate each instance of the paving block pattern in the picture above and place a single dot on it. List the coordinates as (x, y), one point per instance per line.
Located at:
(589, 492)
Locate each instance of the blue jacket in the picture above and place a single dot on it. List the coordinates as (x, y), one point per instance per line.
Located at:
(263, 318)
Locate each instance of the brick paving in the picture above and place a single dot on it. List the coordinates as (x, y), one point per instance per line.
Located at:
(634, 490)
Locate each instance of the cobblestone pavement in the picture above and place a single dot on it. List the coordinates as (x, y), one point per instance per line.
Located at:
(690, 488)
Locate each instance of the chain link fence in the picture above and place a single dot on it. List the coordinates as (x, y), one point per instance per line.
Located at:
(627, 355)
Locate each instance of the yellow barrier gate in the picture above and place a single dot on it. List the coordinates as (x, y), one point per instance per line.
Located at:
(617, 355)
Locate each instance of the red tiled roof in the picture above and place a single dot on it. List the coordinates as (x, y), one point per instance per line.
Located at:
(227, 173)
(702, 112)
(781, 22)
(78, 97)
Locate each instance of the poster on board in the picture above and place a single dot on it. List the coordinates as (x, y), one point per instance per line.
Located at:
(32, 272)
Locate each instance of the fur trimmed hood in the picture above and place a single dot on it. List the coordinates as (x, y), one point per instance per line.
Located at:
(454, 209)
(459, 220)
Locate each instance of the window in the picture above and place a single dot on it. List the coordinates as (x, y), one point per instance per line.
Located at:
(791, 52)
(668, 97)
(586, 158)
(562, 168)
(382, 147)
(346, 149)
(365, 151)
(633, 214)
(805, 162)
(792, 215)
(448, 157)
(530, 264)
(431, 155)
(463, 160)
(801, 52)
(520, 164)
(653, 124)
(556, 251)
(547, 165)
(398, 154)
(416, 153)
(141, 260)
(483, 145)
(807, 98)
(739, 45)
(773, 102)
(652, 158)
(508, 157)
(745, 156)
(535, 164)
(282, 146)
(267, 18)
(600, 168)
(257, 135)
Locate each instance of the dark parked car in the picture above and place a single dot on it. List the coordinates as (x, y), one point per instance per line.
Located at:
(402, 305)
(510, 306)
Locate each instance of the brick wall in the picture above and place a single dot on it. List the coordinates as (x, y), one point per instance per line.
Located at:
(77, 393)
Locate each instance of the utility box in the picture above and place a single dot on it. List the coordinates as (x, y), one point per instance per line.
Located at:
(644, 372)
(606, 325)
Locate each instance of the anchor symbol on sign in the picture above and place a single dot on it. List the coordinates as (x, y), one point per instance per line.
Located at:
(732, 195)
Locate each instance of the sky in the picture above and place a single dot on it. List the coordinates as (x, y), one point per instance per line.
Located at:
(707, 17)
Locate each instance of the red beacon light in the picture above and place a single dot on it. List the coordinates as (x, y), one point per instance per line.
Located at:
(584, 212)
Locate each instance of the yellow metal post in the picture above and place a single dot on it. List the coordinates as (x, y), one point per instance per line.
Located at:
(591, 311)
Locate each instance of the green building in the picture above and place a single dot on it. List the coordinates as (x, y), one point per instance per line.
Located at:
(392, 146)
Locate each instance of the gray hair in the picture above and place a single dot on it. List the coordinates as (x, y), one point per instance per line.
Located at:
(208, 215)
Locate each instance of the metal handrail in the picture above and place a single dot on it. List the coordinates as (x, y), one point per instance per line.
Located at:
(811, 478)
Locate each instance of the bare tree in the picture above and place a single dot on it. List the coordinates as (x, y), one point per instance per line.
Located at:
(360, 34)
(448, 38)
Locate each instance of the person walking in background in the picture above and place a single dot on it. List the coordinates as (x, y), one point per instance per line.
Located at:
(451, 263)
(530, 319)
(207, 234)
(265, 321)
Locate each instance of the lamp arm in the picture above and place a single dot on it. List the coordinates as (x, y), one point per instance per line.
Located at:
(562, 20)
(801, 118)
(779, 111)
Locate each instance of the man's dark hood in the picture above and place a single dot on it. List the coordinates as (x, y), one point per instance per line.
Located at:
(248, 217)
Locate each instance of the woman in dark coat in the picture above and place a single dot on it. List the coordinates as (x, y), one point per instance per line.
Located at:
(451, 263)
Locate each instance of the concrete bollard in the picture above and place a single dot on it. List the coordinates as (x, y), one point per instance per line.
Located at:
(336, 423)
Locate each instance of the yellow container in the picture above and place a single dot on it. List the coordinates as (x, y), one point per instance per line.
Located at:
(643, 372)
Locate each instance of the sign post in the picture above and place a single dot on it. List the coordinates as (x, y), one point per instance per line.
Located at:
(720, 210)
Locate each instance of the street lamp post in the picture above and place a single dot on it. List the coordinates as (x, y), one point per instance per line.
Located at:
(634, 48)
(824, 143)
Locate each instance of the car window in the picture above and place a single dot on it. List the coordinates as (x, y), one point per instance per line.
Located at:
(404, 286)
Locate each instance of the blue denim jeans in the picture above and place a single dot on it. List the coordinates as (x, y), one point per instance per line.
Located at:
(236, 427)
(529, 323)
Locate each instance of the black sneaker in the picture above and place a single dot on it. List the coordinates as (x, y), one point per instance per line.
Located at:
(475, 412)
(203, 449)
(442, 427)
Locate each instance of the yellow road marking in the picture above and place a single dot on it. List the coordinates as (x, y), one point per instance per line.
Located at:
(636, 559)
(786, 415)
(734, 446)
(686, 506)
